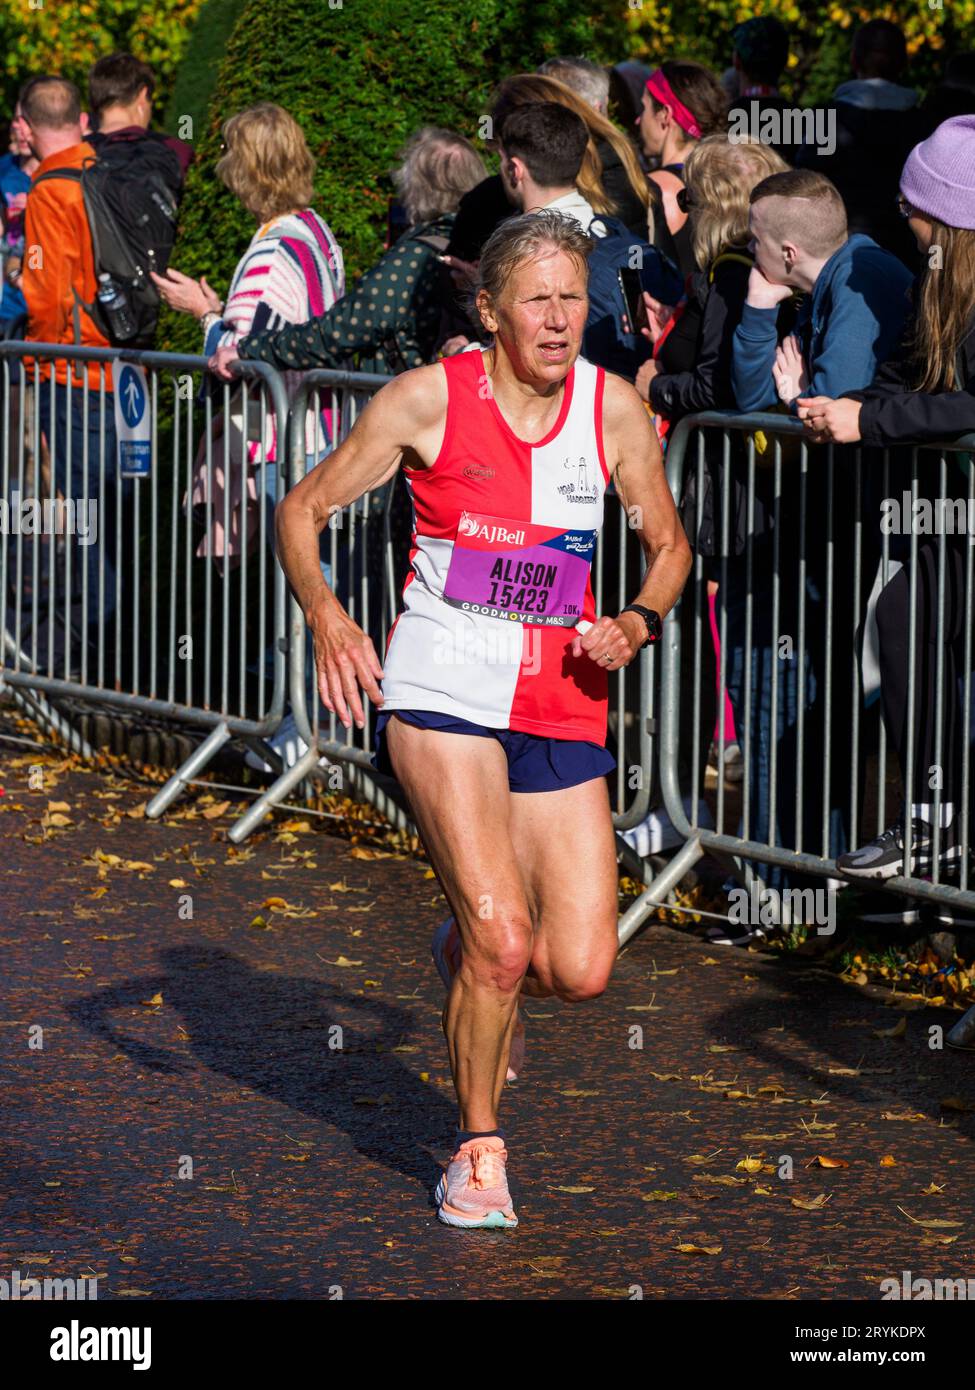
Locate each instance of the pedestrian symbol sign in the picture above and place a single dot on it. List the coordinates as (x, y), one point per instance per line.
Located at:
(133, 422)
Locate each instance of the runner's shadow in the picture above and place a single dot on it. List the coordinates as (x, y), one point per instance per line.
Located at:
(325, 1054)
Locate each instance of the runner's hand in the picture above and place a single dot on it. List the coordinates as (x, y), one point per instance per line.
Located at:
(611, 643)
(344, 660)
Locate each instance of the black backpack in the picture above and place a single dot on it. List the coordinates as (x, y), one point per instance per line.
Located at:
(131, 191)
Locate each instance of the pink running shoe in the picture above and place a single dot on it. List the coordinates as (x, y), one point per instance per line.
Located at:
(445, 949)
(473, 1192)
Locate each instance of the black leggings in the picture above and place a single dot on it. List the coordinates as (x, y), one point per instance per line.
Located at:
(893, 619)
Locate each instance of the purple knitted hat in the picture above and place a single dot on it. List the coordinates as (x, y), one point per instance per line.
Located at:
(939, 176)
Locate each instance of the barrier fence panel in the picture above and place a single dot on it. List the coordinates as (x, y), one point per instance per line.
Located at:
(366, 549)
(123, 487)
(845, 615)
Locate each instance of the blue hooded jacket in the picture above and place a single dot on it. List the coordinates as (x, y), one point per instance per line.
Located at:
(851, 323)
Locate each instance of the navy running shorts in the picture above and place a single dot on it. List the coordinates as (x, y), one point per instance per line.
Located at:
(535, 763)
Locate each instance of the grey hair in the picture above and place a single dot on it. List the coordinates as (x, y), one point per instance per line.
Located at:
(587, 79)
(437, 167)
(520, 239)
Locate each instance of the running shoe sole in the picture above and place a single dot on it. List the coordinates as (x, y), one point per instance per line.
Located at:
(494, 1220)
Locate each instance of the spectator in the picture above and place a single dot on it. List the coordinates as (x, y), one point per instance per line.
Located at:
(852, 315)
(16, 170)
(291, 272)
(690, 371)
(619, 181)
(120, 89)
(855, 297)
(541, 147)
(487, 205)
(925, 392)
(691, 366)
(682, 102)
(390, 319)
(58, 286)
(876, 125)
(954, 95)
(760, 54)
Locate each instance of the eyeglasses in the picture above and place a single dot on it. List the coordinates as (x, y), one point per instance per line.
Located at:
(685, 200)
(904, 207)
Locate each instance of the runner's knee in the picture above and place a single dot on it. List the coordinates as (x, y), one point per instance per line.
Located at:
(499, 955)
(585, 979)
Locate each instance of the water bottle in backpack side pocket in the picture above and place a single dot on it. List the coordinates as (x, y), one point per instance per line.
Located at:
(115, 307)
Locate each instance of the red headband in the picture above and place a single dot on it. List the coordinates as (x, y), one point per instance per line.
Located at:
(659, 87)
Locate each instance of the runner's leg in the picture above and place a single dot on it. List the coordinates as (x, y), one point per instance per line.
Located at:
(567, 854)
(457, 786)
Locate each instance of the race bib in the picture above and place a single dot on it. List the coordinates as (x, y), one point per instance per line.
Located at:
(520, 571)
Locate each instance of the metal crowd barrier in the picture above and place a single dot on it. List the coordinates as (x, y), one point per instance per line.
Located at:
(806, 540)
(368, 545)
(103, 597)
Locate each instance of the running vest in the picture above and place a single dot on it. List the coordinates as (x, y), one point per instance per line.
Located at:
(502, 545)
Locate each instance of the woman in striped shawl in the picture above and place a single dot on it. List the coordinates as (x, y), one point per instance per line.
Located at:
(291, 272)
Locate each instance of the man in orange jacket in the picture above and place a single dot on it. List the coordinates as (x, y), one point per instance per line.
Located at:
(58, 280)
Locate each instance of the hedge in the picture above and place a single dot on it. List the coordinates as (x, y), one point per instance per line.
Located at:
(360, 78)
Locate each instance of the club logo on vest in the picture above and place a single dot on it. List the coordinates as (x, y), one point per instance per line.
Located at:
(477, 470)
(578, 490)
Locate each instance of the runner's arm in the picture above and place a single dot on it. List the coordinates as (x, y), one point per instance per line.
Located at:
(635, 466)
(408, 413)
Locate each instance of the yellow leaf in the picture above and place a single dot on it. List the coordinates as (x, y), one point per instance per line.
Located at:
(898, 1030)
(344, 961)
(749, 1165)
(153, 1002)
(274, 903)
(888, 1161)
(810, 1203)
(686, 1249)
(138, 866)
(821, 1162)
(59, 806)
(573, 1190)
(177, 883)
(577, 1094)
(659, 1196)
(212, 812)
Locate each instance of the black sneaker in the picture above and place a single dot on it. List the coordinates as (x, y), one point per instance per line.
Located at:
(884, 857)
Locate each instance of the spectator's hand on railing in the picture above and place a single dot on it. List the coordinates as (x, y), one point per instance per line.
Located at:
(829, 421)
(658, 317)
(346, 659)
(611, 643)
(186, 295)
(222, 361)
(762, 294)
(789, 371)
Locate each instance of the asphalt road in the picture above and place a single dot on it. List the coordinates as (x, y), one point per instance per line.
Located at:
(253, 1100)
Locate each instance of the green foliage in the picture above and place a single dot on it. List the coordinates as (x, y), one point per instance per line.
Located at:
(67, 39)
(197, 76)
(360, 78)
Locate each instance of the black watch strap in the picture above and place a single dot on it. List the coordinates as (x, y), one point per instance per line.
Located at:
(650, 617)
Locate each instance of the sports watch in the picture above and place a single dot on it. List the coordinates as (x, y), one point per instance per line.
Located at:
(651, 618)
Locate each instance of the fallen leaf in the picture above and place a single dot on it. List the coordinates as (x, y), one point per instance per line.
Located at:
(152, 1003)
(686, 1249)
(821, 1162)
(212, 812)
(898, 1030)
(810, 1203)
(573, 1190)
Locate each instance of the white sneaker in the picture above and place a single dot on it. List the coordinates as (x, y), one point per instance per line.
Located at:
(658, 832)
(286, 743)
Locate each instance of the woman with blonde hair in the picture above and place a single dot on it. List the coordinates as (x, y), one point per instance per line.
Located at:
(291, 271)
(691, 366)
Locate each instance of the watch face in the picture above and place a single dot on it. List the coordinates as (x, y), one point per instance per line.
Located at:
(654, 625)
